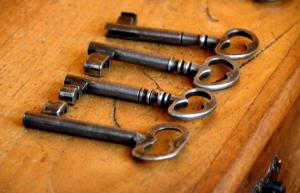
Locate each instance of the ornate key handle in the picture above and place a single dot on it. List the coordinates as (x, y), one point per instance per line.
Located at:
(230, 79)
(182, 101)
(138, 95)
(125, 28)
(175, 145)
(250, 48)
(102, 54)
(139, 141)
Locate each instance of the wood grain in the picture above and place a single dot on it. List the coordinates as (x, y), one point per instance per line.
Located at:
(289, 150)
(42, 41)
(285, 144)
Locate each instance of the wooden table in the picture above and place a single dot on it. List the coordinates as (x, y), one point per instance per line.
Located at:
(42, 41)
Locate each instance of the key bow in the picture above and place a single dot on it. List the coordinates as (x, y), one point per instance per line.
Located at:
(182, 101)
(231, 77)
(225, 42)
(175, 145)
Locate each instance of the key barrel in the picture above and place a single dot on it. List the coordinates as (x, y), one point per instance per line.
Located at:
(79, 128)
(114, 90)
(133, 32)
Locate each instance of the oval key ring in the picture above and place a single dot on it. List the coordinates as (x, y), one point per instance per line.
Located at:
(204, 70)
(182, 101)
(225, 43)
(175, 145)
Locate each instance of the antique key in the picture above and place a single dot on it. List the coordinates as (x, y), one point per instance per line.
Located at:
(139, 95)
(102, 54)
(140, 141)
(125, 28)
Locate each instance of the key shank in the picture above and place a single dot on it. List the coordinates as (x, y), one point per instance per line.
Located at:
(120, 91)
(169, 64)
(81, 129)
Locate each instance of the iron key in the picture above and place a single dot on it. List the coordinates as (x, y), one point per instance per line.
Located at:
(143, 96)
(170, 64)
(130, 31)
(140, 141)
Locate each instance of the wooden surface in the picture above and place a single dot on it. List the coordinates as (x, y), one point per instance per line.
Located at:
(42, 41)
(284, 143)
(290, 150)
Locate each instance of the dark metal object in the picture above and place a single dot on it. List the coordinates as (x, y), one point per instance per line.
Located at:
(70, 93)
(96, 62)
(55, 108)
(145, 96)
(140, 141)
(169, 64)
(127, 30)
(270, 183)
(127, 18)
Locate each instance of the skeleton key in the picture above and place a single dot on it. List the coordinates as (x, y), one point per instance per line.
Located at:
(140, 141)
(125, 29)
(141, 95)
(102, 54)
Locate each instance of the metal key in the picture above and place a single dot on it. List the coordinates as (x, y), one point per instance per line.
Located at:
(141, 95)
(125, 29)
(102, 54)
(139, 141)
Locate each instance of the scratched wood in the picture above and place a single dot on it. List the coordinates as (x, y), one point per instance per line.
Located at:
(42, 41)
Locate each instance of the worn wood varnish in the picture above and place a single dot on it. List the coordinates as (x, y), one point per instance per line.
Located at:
(42, 41)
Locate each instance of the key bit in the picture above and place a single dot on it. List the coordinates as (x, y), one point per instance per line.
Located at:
(127, 18)
(96, 62)
(56, 108)
(70, 93)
